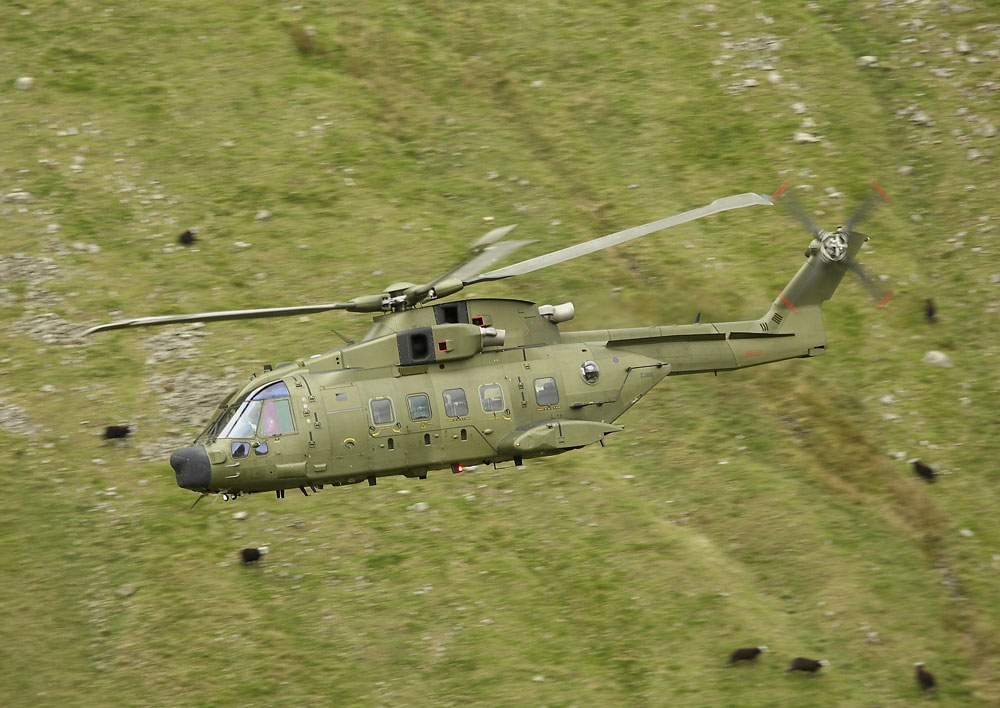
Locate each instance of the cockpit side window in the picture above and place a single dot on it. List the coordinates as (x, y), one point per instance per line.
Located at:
(265, 412)
(276, 418)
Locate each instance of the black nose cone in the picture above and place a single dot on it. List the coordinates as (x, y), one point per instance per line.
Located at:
(192, 468)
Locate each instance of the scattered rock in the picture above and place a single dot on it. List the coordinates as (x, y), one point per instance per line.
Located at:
(14, 419)
(801, 137)
(967, 533)
(126, 590)
(799, 107)
(419, 506)
(867, 60)
(18, 196)
(937, 358)
(24, 83)
(921, 118)
(240, 515)
(262, 215)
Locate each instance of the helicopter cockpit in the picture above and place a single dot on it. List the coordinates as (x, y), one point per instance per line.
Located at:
(266, 411)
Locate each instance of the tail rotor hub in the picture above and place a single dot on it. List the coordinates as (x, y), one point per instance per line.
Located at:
(833, 245)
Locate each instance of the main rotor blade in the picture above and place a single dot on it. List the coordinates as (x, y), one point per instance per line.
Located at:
(736, 201)
(219, 315)
(481, 260)
(491, 236)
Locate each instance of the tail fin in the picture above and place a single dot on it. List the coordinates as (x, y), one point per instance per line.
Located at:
(798, 306)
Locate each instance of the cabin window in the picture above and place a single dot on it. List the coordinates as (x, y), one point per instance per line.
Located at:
(590, 371)
(455, 403)
(546, 393)
(381, 410)
(239, 450)
(261, 449)
(491, 396)
(419, 405)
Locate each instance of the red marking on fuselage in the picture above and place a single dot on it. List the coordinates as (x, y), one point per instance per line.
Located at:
(780, 191)
(786, 302)
(880, 191)
(754, 352)
(884, 300)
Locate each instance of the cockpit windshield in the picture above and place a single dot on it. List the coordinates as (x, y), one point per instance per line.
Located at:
(225, 411)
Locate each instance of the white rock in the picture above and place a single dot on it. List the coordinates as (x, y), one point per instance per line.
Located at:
(24, 83)
(962, 46)
(867, 60)
(17, 196)
(921, 118)
(774, 77)
(967, 533)
(799, 107)
(419, 506)
(262, 215)
(240, 515)
(801, 137)
(973, 154)
(241, 244)
(988, 131)
(937, 358)
(905, 170)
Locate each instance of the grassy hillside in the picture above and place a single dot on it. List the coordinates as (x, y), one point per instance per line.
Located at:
(325, 150)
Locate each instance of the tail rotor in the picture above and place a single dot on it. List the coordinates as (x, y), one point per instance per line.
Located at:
(839, 246)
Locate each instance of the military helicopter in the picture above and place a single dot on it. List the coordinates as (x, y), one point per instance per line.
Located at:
(437, 385)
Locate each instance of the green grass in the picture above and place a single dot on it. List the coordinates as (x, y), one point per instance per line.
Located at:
(381, 139)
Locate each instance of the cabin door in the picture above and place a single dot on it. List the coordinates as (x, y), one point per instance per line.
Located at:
(348, 429)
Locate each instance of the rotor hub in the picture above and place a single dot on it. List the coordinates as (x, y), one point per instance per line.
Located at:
(833, 245)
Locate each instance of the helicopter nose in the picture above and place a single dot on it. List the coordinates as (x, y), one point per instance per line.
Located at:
(192, 467)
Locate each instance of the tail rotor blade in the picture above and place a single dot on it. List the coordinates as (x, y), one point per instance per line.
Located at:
(785, 197)
(874, 198)
(879, 295)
